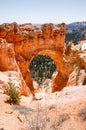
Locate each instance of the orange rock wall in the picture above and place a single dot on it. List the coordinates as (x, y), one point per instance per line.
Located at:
(28, 41)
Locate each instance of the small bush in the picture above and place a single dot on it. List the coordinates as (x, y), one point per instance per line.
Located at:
(14, 96)
(84, 82)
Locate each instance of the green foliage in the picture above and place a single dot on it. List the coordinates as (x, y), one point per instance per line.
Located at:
(84, 82)
(14, 96)
(41, 68)
(74, 37)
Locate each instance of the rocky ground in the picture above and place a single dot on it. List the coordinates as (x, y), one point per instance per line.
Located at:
(65, 110)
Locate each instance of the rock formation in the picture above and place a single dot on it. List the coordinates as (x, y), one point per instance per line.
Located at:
(28, 41)
(9, 69)
(19, 44)
(76, 59)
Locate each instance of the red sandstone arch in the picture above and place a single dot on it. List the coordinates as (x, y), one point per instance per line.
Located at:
(56, 57)
(52, 54)
(60, 80)
(29, 41)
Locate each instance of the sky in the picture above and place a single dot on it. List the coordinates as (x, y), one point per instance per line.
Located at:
(42, 11)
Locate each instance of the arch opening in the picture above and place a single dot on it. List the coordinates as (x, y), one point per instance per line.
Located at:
(42, 67)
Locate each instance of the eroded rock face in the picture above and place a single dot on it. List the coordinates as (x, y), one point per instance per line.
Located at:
(28, 41)
(76, 77)
(9, 69)
(76, 59)
(7, 56)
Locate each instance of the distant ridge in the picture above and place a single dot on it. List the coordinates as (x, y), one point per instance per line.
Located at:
(75, 31)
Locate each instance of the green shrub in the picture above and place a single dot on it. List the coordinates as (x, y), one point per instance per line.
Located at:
(84, 82)
(14, 96)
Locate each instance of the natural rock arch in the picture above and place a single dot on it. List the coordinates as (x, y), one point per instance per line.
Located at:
(60, 80)
(29, 40)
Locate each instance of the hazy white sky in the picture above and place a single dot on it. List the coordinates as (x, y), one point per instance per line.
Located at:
(41, 11)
